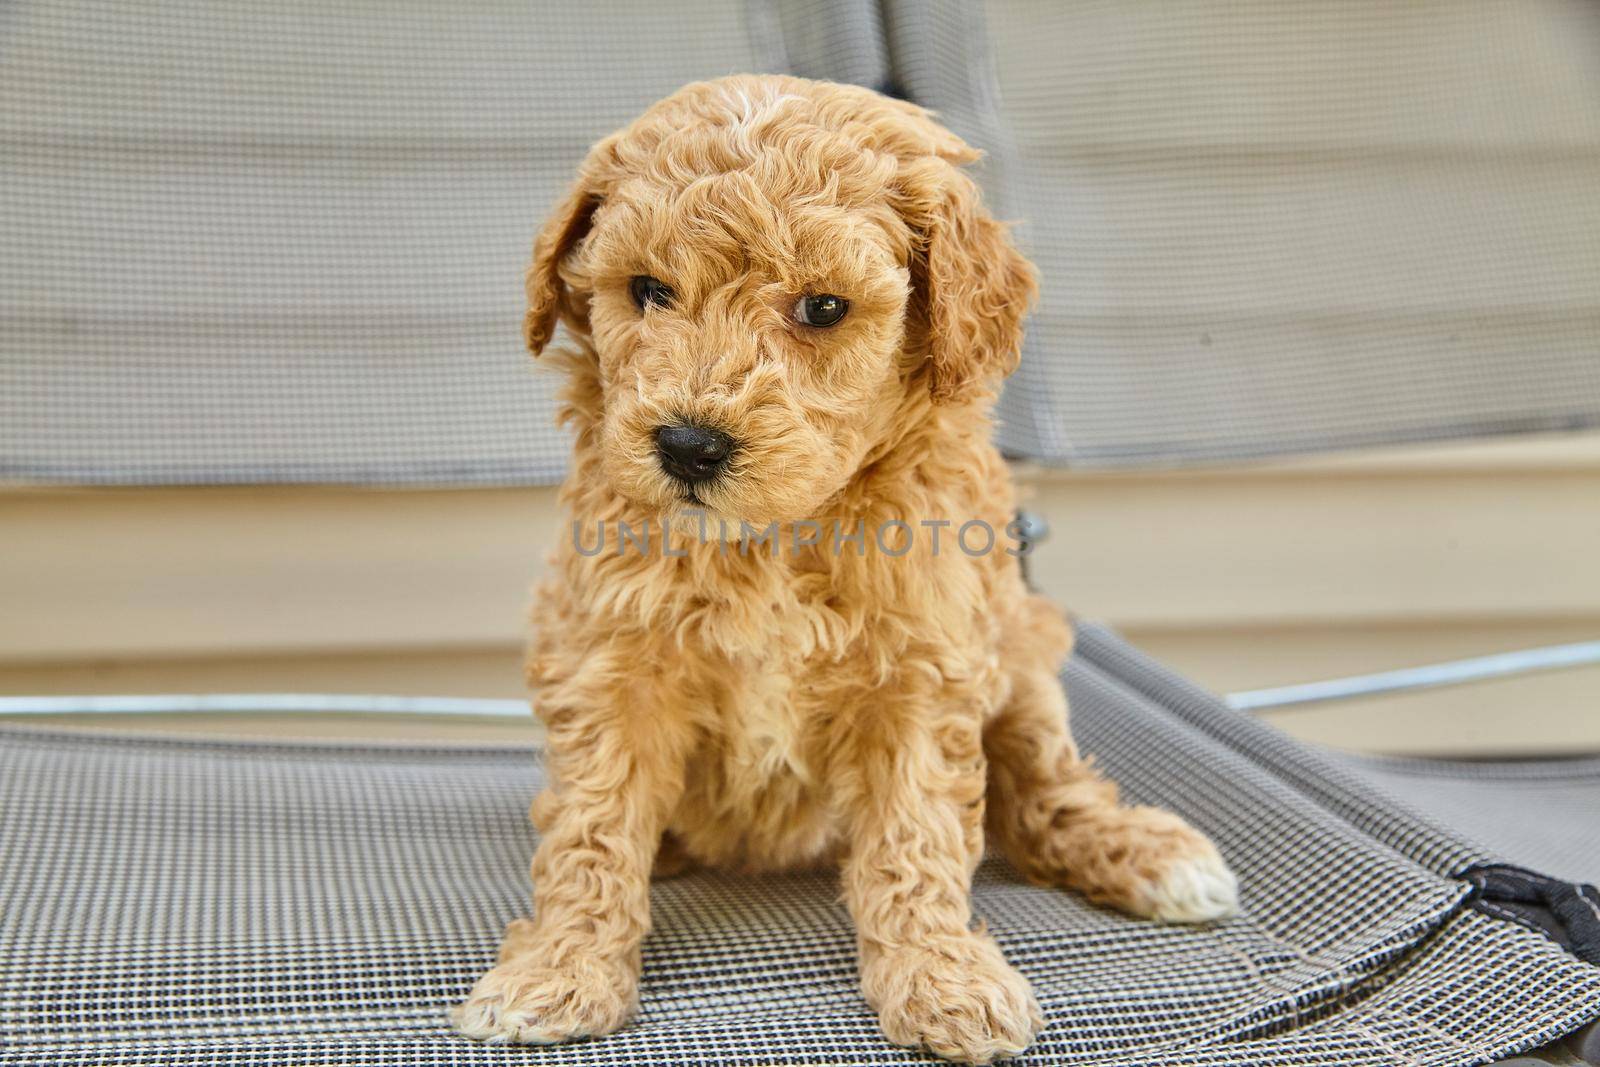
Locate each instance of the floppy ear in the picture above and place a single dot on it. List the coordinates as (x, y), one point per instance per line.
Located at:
(547, 296)
(970, 281)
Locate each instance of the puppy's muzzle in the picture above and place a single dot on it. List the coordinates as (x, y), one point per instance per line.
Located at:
(692, 453)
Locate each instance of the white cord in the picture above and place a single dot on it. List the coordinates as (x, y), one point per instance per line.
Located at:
(247, 702)
(1454, 672)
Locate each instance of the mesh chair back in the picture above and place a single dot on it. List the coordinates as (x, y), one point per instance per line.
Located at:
(245, 242)
(283, 243)
(1269, 228)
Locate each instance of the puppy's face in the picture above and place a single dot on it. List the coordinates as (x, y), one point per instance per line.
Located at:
(747, 325)
(753, 264)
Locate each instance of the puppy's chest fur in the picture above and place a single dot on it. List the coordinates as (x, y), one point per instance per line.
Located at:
(756, 788)
(798, 648)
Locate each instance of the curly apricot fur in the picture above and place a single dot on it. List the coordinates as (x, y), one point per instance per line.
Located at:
(764, 711)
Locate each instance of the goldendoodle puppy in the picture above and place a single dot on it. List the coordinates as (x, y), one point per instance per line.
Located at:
(790, 313)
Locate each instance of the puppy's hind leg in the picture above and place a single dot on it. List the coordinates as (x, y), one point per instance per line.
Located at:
(672, 859)
(1059, 823)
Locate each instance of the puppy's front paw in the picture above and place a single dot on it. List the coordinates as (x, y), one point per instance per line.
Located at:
(957, 998)
(526, 1003)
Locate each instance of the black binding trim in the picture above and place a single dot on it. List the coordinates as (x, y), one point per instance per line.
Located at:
(1566, 913)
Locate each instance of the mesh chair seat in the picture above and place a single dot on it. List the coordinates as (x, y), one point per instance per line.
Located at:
(191, 902)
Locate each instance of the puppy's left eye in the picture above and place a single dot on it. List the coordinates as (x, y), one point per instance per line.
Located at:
(648, 292)
(824, 310)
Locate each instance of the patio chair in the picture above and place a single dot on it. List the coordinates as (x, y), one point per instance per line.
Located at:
(247, 243)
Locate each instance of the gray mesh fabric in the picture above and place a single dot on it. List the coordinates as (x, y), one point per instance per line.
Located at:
(1326, 777)
(204, 903)
(1269, 227)
(1449, 815)
(283, 243)
(1542, 814)
(245, 242)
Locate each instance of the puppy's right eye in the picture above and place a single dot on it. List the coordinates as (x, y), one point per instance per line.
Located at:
(648, 292)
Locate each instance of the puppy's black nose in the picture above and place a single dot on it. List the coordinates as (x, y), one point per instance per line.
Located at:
(692, 453)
